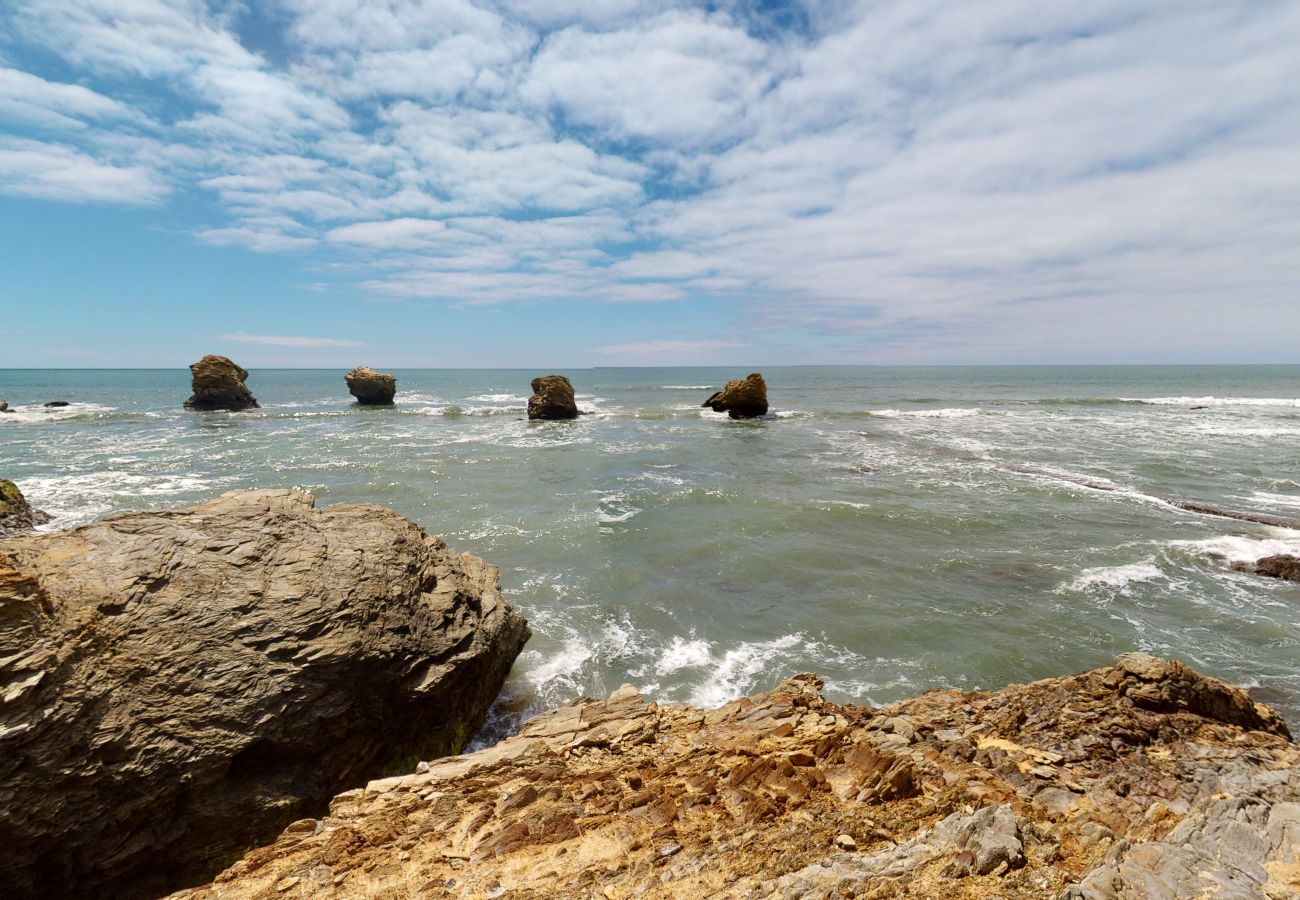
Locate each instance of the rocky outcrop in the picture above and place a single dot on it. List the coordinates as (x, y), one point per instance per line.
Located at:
(179, 686)
(55, 404)
(741, 399)
(552, 398)
(4, 407)
(1282, 566)
(371, 388)
(219, 384)
(1143, 779)
(16, 514)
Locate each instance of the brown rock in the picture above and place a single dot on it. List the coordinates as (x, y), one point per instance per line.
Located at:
(179, 686)
(1282, 566)
(741, 399)
(16, 514)
(671, 801)
(219, 384)
(371, 388)
(552, 398)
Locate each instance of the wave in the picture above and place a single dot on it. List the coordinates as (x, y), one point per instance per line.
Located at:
(37, 414)
(1234, 548)
(686, 387)
(953, 412)
(1115, 578)
(453, 410)
(500, 398)
(1214, 401)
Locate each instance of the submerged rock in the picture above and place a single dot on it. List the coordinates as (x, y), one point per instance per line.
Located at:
(1282, 566)
(741, 399)
(17, 515)
(1138, 780)
(53, 404)
(180, 686)
(219, 384)
(552, 398)
(4, 407)
(371, 388)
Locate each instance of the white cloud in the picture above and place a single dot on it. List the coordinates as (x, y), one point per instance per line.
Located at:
(25, 97)
(274, 340)
(57, 172)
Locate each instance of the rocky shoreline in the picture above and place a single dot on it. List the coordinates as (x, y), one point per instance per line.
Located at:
(1143, 779)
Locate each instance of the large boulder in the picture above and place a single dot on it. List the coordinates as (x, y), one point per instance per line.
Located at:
(179, 686)
(219, 384)
(1284, 566)
(552, 398)
(371, 388)
(16, 514)
(1144, 779)
(741, 399)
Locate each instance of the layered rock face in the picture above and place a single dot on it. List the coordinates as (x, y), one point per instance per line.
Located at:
(741, 399)
(178, 686)
(1139, 780)
(552, 398)
(219, 384)
(371, 388)
(16, 514)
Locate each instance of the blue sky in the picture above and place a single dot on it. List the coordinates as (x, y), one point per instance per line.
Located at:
(628, 182)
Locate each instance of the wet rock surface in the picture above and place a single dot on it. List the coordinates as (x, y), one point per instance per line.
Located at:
(218, 383)
(371, 388)
(17, 515)
(552, 398)
(1140, 779)
(744, 398)
(179, 686)
(1282, 566)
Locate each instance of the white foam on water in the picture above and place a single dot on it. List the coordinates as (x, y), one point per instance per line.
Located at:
(683, 654)
(40, 415)
(1270, 499)
(956, 412)
(1214, 401)
(790, 414)
(616, 507)
(500, 398)
(1114, 578)
(686, 387)
(1235, 548)
(734, 674)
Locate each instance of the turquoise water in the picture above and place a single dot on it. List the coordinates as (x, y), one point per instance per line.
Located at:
(875, 529)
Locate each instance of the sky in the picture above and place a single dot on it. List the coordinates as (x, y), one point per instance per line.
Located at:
(633, 182)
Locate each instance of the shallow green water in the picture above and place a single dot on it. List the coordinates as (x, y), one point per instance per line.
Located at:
(874, 529)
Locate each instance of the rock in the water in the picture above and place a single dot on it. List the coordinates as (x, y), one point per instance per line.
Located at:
(741, 399)
(552, 399)
(1117, 783)
(219, 384)
(16, 514)
(179, 686)
(4, 407)
(57, 403)
(370, 387)
(1282, 566)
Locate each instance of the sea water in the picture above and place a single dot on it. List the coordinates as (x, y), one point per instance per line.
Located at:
(891, 529)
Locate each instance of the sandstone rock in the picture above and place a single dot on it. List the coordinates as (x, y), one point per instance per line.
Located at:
(787, 795)
(371, 388)
(16, 514)
(552, 398)
(1282, 566)
(219, 384)
(179, 686)
(741, 399)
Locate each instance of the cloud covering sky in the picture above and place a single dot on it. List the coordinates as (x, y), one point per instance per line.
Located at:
(529, 182)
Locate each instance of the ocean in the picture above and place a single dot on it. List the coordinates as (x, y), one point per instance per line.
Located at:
(891, 529)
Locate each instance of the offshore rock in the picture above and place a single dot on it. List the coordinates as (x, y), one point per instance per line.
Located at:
(1282, 566)
(552, 398)
(1143, 779)
(741, 399)
(179, 686)
(53, 404)
(371, 388)
(219, 384)
(16, 514)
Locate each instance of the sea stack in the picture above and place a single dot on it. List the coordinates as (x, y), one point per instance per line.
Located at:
(552, 399)
(16, 514)
(371, 388)
(180, 686)
(741, 399)
(219, 384)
